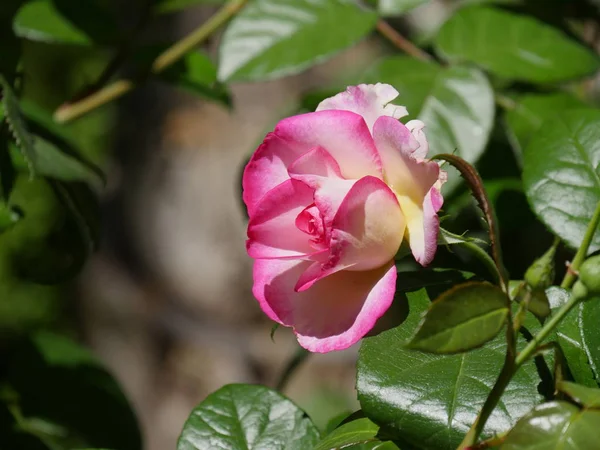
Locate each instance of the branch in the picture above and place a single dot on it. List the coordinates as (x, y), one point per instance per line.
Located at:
(401, 42)
(70, 111)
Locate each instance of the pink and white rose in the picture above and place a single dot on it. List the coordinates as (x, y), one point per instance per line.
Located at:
(331, 195)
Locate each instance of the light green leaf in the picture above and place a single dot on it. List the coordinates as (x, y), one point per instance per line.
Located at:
(585, 396)
(555, 426)
(568, 333)
(17, 125)
(560, 165)
(40, 20)
(513, 46)
(456, 104)
(432, 400)
(360, 431)
(398, 7)
(273, 38)
(463, 318)
(533, 109)
(247, 417)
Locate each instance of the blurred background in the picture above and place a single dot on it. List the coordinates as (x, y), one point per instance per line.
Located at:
(165, 300)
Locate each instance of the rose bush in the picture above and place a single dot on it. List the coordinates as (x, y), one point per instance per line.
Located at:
(331, 195)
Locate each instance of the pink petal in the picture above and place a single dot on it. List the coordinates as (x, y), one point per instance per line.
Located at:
(416, 129)
(314, 167)
(267, 168)
(343, 134)
(320, 171)
(272, 230)
(370, 101)
(366, 232)
(411, 180)
(334, 313)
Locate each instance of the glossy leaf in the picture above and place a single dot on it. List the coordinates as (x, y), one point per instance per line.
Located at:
(60, 382)
(456, 104)
(197, 74)
(463, 318)
(531, 110)
(398, 7)
(560, 165)
(513, 46)
(360, 431)
(55, 163)
(555, 426)
(589, 318)
(41, 20)
(568, 333)
(273, 38)
(17, 125)
(247, 417)
(432, 400)
(585, 396)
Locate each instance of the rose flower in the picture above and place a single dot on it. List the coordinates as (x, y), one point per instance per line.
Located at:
(331, 195)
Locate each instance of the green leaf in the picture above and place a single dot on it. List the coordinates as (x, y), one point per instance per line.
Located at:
(247, 417)
(171, 6)
(533, 109)
(555, 425)
(513, 46)
(585, 396)
(273, 38)
(560, 165)
(463, 318)
(60, 165)
(40, 20)
(360, 431)
(589, 318)
(83, 22)
(197, 74)
(17, 125)
(61, 383)
(432, 400)
(398, 7)
(456, 104)
(569, 338)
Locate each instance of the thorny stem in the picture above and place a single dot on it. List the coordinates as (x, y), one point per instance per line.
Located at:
(512, 363)
(571, 276)
(71, 111)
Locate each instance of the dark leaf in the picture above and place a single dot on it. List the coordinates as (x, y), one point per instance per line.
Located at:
(247, 417)
(463, 318)
(432, 400)
(555, 426)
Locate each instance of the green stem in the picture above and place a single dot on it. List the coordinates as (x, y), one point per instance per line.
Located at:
(512, 363)
(548, 327)
(571, 276)
(71, 111)
(508, 370)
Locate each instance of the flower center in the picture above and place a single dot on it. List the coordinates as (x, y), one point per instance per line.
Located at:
(310, 222)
